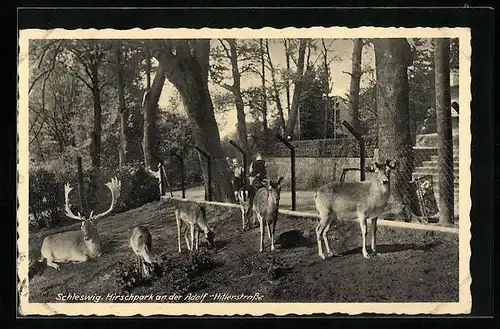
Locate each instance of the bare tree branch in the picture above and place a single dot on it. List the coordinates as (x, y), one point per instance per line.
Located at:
(53, 64)
(228, 55)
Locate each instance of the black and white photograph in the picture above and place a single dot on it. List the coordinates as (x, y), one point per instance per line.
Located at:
(240, 171)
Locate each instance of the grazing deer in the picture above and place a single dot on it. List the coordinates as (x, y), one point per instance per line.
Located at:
(141, 244)
(77, 246)
(245, 197)
(193, 216)
(265, 208)
(364, 200)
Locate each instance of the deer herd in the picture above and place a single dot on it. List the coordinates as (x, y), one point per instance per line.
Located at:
(362, 200)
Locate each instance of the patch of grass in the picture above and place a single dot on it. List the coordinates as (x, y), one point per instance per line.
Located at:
(274, 267)
(187, 274)
(128, 275)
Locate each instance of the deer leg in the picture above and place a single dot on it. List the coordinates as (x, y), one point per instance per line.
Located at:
(362, 224)
(325, 239)
(192, 236)
(269, 234)
(243, 218)
(187, 239)
(50, 262)
(319, 232)
(272, 236)
(374, 236)
(177, 219)
(261, 222)
(197, 238)
(80, 258)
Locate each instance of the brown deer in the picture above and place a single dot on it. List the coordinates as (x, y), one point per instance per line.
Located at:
(141, 244)
(245, 196)
(265, 208)
(193, 216)
(364, 200)
(81, 245)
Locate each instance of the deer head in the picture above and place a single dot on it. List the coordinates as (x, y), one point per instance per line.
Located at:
(89, 224)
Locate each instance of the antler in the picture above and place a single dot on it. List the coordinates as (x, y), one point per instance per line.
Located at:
(114, 186)
(69, 213)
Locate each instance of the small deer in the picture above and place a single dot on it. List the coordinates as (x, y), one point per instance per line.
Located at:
(193, 216)
(141, 243)
(245, 197)
(77, 246)
(364, 200)
(265, 208)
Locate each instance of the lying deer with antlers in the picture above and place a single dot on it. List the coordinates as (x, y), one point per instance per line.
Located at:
(141, 243)
(193, 216)
(364, 200)
(77, 246)
(265, 208)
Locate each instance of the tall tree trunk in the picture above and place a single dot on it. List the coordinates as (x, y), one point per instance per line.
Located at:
(444, 130)
(187, 70)
(122, 107)
(95, 152)
(147, 53)
(150, 116)
(392, 57)
(292, 116)
(287, 81)
(265, 125)
(277, 99)
(352, 115)
(238, 99)
(327, 89)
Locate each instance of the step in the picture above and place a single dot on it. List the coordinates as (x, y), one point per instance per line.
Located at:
(436, 158)
(435, 164)
(435, 180)
(424, 170)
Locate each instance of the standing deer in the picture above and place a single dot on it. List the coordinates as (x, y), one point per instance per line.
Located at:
(364, 200)
(77, 246)
(245, 197)
(265, 208)
(141, 243)
(193, 216)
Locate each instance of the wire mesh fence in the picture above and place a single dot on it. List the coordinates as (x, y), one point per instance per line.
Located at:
(420, 181)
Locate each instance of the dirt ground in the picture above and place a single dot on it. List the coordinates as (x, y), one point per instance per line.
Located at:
(412, 266)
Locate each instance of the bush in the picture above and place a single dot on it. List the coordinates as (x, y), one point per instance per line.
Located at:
(138, 187)
(46, 192)
(45, 195)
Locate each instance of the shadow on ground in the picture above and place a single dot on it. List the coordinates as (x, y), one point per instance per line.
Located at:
(398, 247)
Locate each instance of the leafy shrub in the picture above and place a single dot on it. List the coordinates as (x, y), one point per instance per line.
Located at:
(46, 192)
(138, 187)
(44, 199)
(128, 275)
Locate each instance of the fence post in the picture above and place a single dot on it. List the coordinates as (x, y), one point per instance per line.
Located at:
(292, 167)
(162, 190)
(209, 171)
(362, 150)
(180, 158)
(244, 154)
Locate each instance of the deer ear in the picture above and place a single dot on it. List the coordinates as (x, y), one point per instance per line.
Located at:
(370, 168)
(279, 180)
(392, 164)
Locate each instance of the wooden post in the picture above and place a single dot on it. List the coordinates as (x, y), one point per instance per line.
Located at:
(443, 121)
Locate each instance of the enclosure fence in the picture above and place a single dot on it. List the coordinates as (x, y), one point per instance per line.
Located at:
(420, 181)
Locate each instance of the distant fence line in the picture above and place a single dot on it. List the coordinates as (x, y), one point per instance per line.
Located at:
(345, 147)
